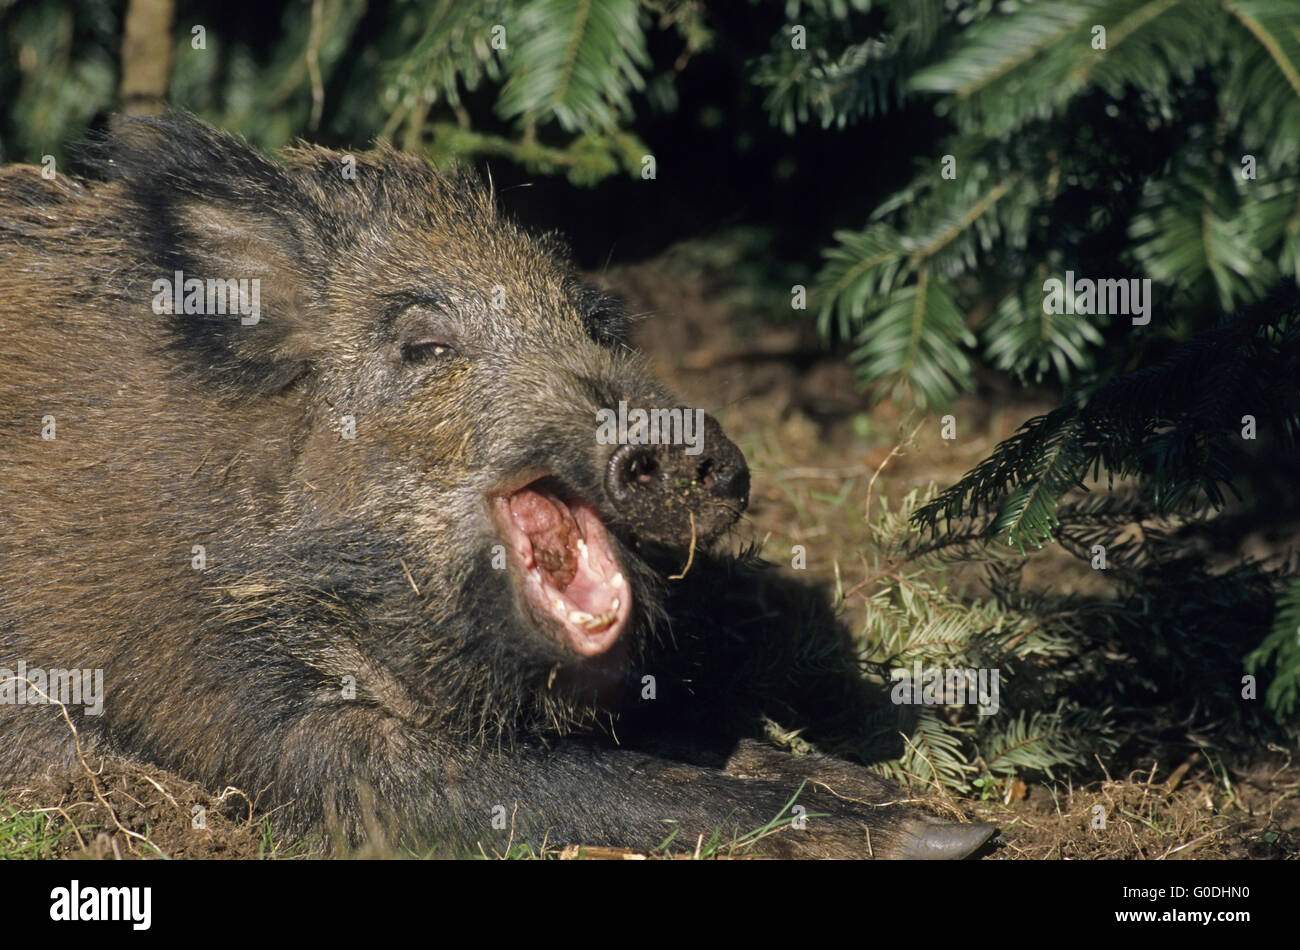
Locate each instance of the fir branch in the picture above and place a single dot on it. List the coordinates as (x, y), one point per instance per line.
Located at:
(577, 63)
(1283, 644)
(1155, 422)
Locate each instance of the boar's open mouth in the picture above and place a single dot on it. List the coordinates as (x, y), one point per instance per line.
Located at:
(570, 571)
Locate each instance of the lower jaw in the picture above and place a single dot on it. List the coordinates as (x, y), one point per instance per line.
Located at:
(578, 631)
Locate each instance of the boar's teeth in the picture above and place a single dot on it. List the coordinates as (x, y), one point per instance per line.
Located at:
(614, 607)
(616, 580)
(587, 621)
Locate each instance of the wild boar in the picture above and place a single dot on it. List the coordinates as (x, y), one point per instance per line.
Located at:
(314, 461)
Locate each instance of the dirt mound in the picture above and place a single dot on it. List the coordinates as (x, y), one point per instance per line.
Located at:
(123, 810)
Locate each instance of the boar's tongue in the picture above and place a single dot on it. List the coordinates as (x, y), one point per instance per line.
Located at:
(570, 570)
(552, 530)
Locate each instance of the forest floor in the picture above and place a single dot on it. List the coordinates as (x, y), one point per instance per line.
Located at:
(818, 452)
(815, 444)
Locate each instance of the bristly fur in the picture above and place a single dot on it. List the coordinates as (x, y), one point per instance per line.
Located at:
(276, 537)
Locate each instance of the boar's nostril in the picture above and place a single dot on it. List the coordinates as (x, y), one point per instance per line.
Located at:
(642, 468)
(633, 467)
(704, 474)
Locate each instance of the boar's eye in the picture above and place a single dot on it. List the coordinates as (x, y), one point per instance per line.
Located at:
(423, 351)
(420, 333)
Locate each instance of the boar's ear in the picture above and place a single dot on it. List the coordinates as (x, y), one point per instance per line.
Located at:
(210, 206)
(604, 315)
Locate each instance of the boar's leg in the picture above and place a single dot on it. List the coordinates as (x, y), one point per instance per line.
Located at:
(583, 794)
(377, 775)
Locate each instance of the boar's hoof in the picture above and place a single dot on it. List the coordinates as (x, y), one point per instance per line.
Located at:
(943, 840)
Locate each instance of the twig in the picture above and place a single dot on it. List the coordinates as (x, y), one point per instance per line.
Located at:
(90, 773)
(690, 556)
(896, 450)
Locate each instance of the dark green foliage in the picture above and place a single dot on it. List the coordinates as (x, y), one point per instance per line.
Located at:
(1176, 424)
(563, 75)
(58, 70)
(1125, 161)
(1283, 644)
(1180, 432)
(1051, 716)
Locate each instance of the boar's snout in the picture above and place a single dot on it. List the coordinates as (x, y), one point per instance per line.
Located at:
(658, 490)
